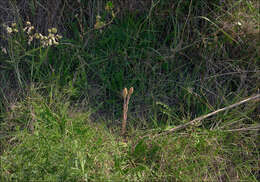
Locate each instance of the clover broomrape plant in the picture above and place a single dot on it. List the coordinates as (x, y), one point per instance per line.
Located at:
(126, 95)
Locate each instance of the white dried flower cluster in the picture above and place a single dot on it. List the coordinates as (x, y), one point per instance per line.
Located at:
(11, 29)
(52, 39)
(28, 28)
(45, 41)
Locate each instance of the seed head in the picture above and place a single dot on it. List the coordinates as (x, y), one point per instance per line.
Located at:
(54, 30)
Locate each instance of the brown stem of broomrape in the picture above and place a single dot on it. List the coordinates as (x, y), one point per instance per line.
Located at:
(124, 118)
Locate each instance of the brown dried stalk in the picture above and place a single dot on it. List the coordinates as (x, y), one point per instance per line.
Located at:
(126, 96)
(210, 114)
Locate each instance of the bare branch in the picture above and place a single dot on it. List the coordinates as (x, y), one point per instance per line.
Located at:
(210, 114)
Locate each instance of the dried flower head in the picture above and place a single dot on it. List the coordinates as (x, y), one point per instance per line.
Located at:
(124, 93)
(54, 30)
(30, 40)
(28, 23)
(37, 35)
(9, 30)
(4, 50)
(131, 90)
(98, 17)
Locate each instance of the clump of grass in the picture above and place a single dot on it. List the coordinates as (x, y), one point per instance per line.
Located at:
(53, 146)
(53, 142)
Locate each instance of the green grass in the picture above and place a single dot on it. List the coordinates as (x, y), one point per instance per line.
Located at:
(61, 106)
(62, 144)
